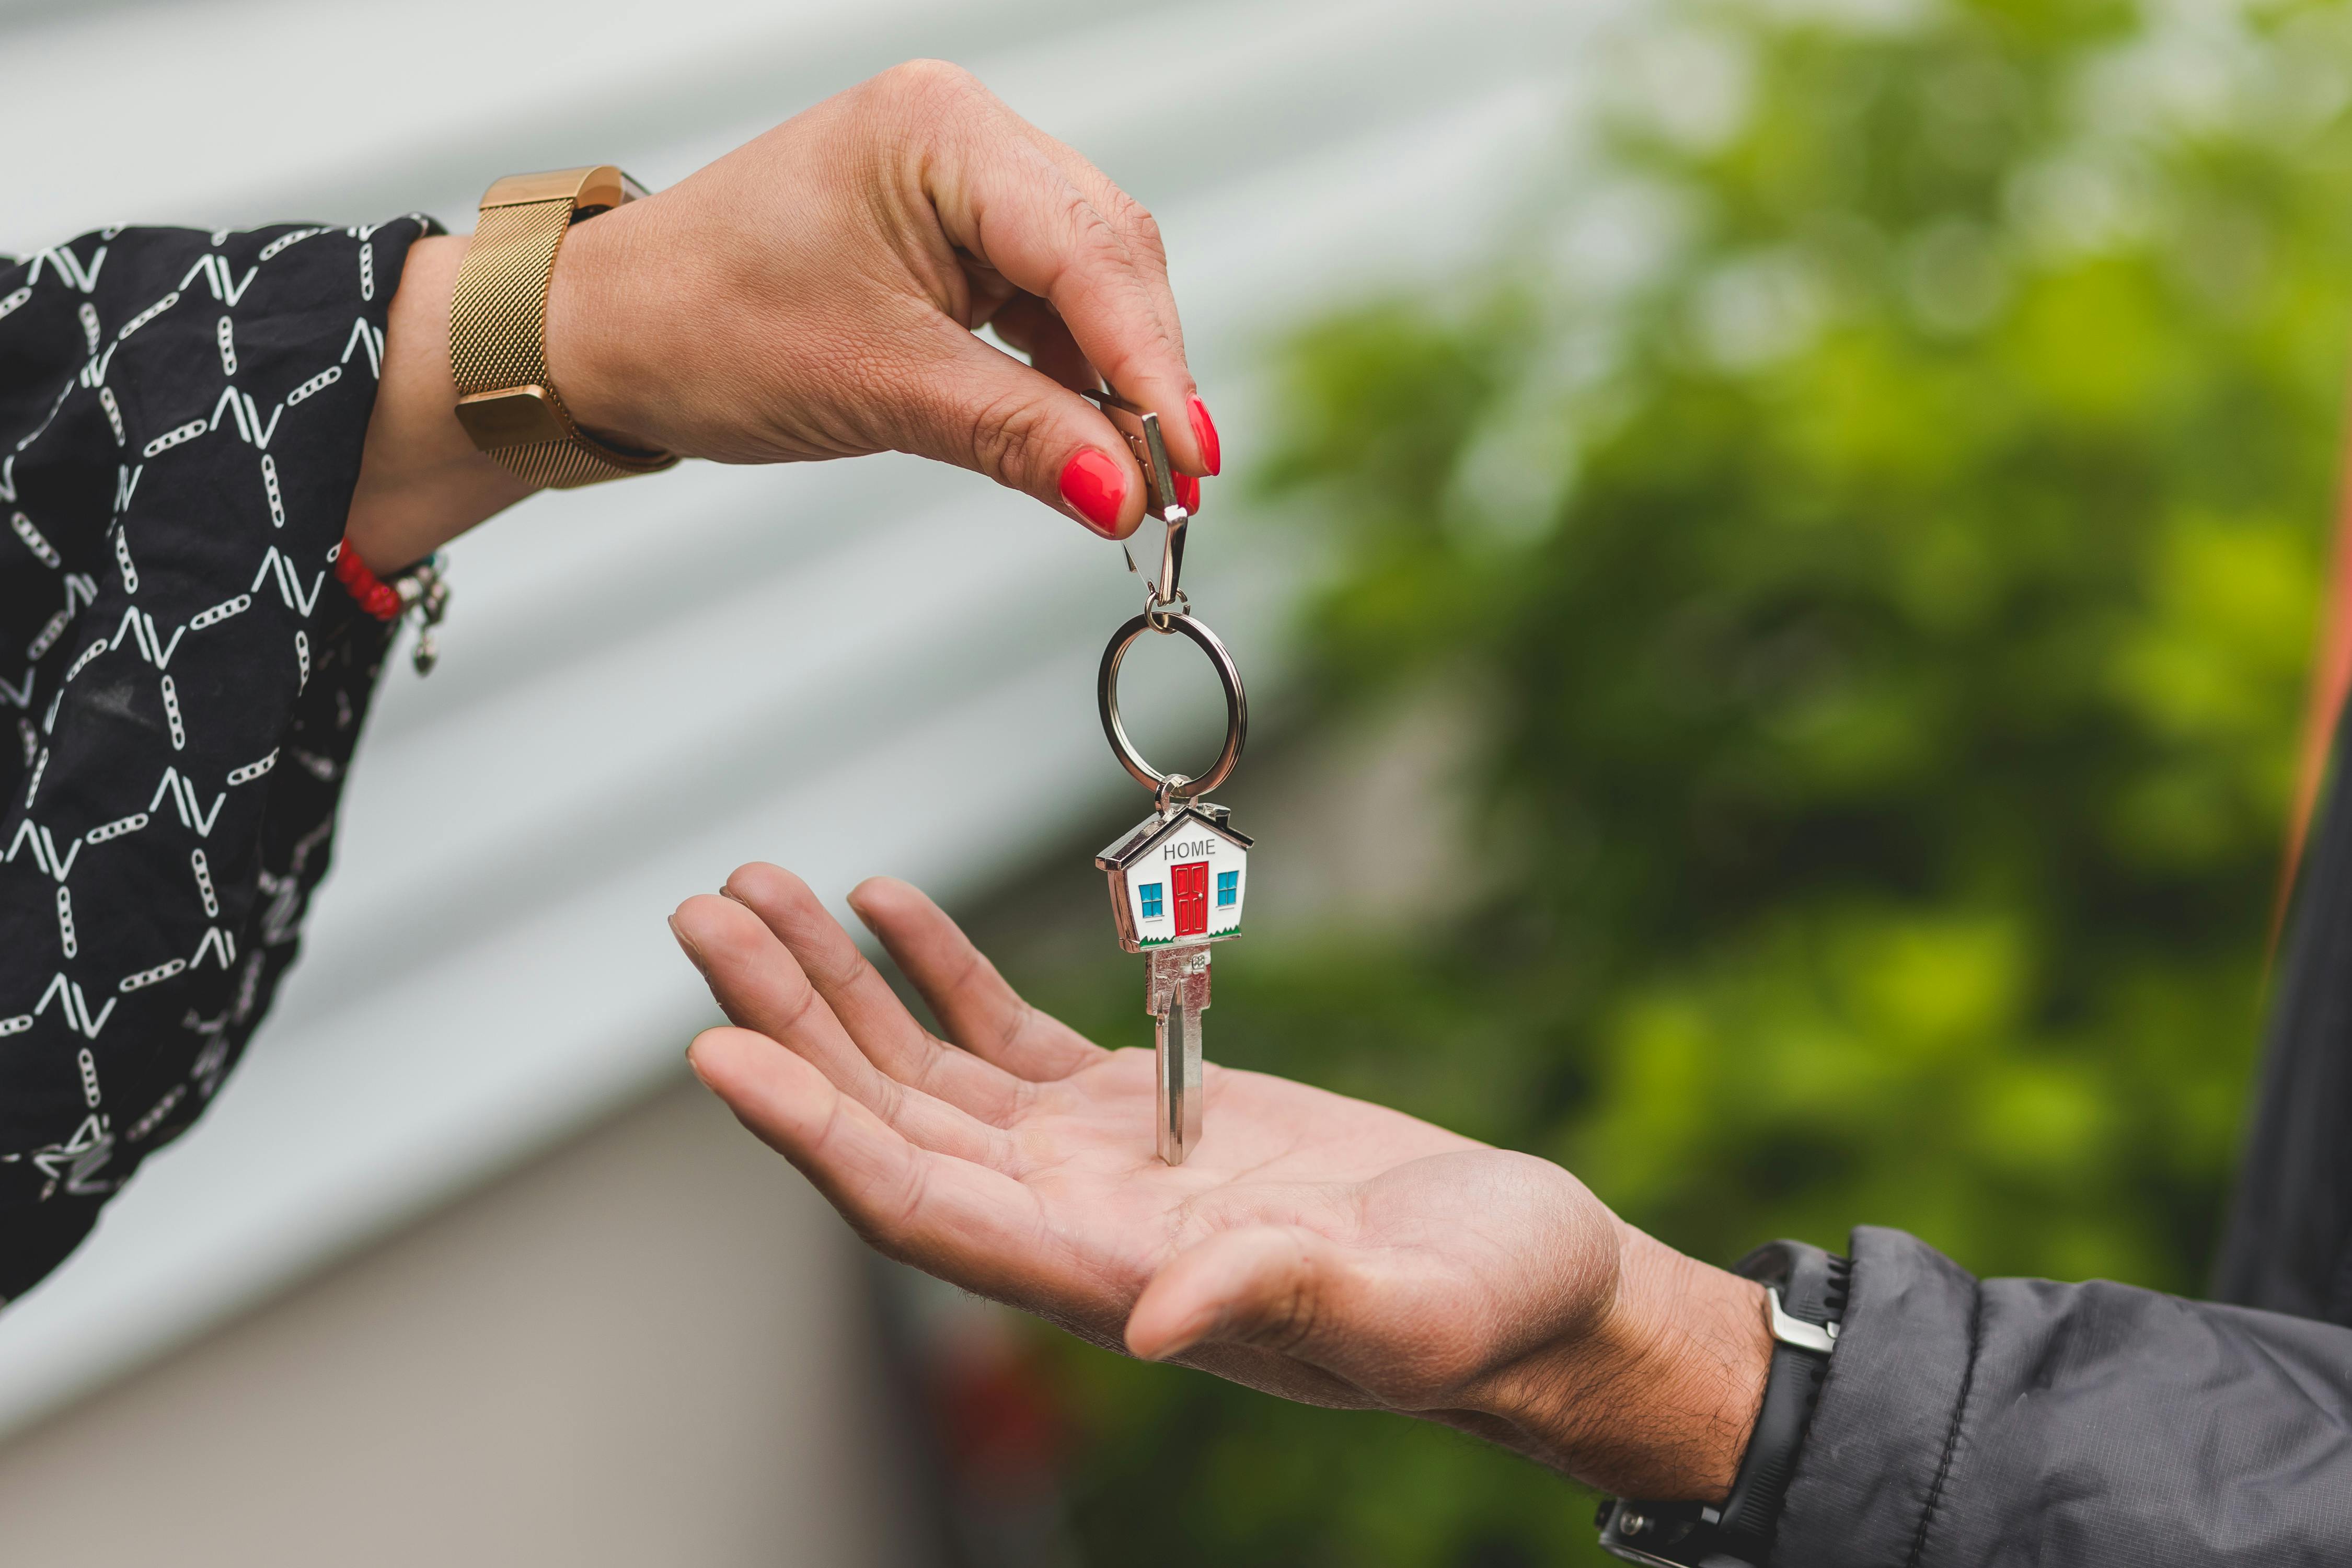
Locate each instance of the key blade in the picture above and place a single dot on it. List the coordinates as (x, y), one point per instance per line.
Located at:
(1176, 993)
(1178, 1100)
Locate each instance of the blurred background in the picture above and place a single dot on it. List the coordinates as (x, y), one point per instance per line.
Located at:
(1803, 524)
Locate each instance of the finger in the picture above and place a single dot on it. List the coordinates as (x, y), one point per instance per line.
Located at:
(1192, 435)
(877, 1022)
(761, 986)
(960, 1221)
(1277, 1288)
(1029, 324)
(962, 400)
(1096, 254)
(974, 1004)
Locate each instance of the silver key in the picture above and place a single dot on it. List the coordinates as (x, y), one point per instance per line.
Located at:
(1177, 882)
(1176, 993)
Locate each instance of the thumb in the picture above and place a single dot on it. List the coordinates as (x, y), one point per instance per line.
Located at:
(1279, 1286)
(978, 408)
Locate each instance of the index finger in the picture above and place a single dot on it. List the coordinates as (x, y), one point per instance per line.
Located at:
(965, 1223)
(1001, 195)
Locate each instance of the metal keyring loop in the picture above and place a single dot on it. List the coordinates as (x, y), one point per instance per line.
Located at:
(1228, 676)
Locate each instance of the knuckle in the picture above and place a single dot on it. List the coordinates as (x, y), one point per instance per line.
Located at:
(1008, 436)
(925, 76)
(801, 1001)
(834, 965)
(926, 1068)
(912, 1196)
(1288, 1318)
(1090, 224)
(933, 85)
(1143, 230)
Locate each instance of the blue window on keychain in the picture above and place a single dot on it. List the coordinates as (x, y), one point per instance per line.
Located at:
(1229, 888)
(1151, 891)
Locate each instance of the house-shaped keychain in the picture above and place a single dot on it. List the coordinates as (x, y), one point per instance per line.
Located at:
(1178, 880)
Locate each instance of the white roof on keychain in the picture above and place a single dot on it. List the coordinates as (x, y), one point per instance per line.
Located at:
(1138, 841)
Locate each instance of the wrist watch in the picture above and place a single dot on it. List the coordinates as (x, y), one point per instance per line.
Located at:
(498, 331)
(1804, 1301)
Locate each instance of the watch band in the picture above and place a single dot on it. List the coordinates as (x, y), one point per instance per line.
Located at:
(1804, 1301)
(498, 331)
(1805, 1291)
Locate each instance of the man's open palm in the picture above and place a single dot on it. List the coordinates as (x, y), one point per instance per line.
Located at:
(1314, 1245)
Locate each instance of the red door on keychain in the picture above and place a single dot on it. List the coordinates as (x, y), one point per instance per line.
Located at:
(1192, 890)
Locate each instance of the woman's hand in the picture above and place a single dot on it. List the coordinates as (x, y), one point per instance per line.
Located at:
(1315, 1246)
(815, 294)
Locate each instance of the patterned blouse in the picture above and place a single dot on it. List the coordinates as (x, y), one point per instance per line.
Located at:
(182, 677)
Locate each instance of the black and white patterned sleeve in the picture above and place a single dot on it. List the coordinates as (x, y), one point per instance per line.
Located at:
(182, 677)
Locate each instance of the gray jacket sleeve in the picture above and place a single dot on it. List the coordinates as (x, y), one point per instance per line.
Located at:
(1978, 1424)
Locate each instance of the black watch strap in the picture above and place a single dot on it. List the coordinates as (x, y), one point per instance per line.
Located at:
(1805, 1297)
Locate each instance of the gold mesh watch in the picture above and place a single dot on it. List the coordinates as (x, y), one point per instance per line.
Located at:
(498, 331)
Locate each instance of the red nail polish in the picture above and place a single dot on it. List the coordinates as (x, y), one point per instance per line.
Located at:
(1204, 431)
(1188, 493)
(1095, 485)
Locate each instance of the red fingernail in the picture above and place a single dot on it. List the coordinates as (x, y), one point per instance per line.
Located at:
(1204, 431)
(1188, 493)
(1095, 484)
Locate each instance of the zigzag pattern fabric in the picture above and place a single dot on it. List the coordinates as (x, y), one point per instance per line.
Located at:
(182, 416)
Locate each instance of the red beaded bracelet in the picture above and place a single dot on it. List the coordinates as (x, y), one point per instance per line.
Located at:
(364, 586)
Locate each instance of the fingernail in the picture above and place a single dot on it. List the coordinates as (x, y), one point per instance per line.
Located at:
(686, 945)
(1204, 431)
(1188, 493)
(1096, 487)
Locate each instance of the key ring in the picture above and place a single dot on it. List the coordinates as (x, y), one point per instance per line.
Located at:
(1157, 610)
(1228, 676)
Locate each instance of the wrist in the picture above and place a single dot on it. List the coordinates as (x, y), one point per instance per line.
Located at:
(421, 481)
(590, 336)
(1659, 1397)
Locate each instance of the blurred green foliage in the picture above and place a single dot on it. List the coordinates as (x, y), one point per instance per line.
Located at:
(1886, 602)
